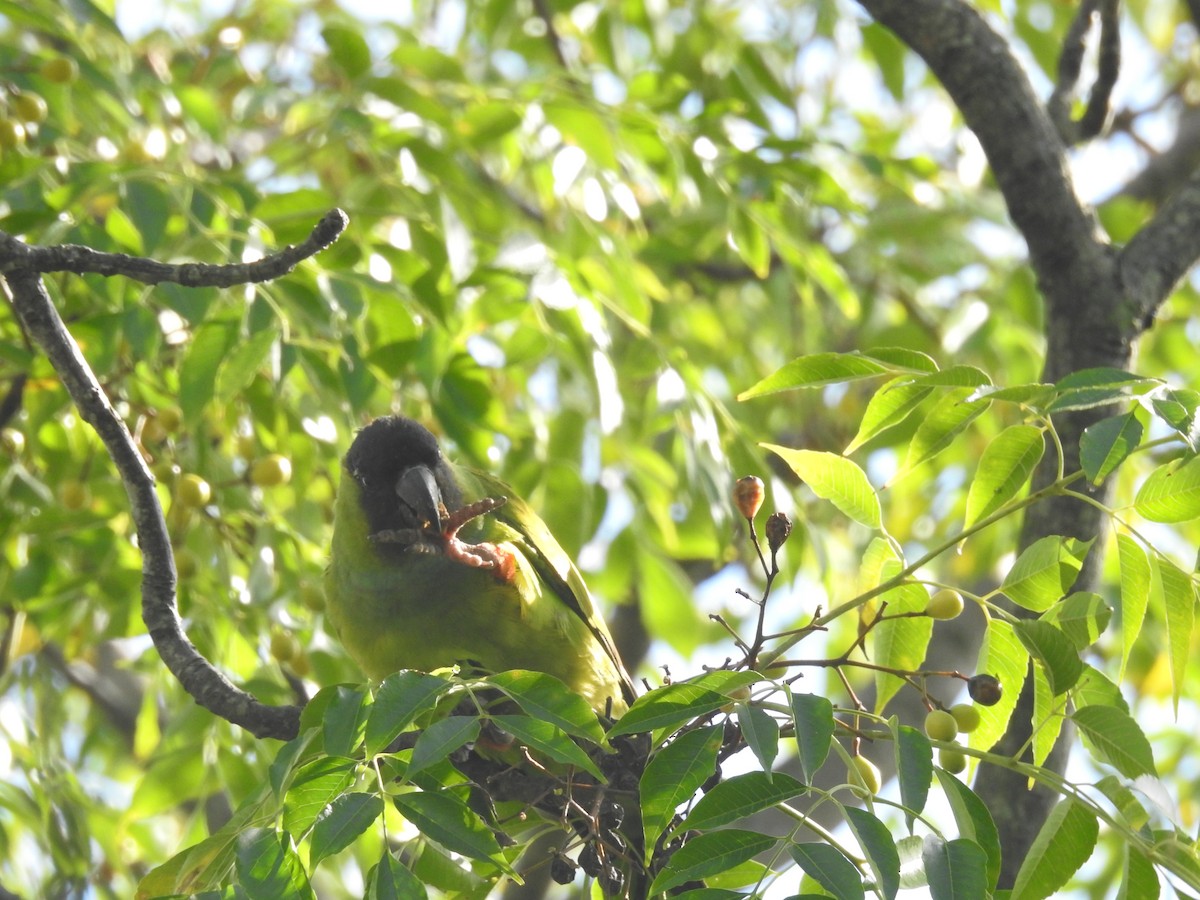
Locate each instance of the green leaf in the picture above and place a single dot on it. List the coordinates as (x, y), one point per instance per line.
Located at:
(750, 240)
(836, 479)
(1004, 656)
(903, 358)
(390, 879)
(198, 372)
(1117, 739)
(1047, 717)
(348, 49)
(398, 700)
(1054, 651)
(1130, 805)
(1094, 688)
(242, 363)
(1063, 845)
(888, 406)
(1081, 616)
(710, 854)
(877, 844)
(740, 796)
(914, 769)
(1044, 572)
(957, 870)
(344, 719)
(549, 739)
(1139, 880)
(956, 376)
(1005, 466)
(1108, 443)
(901, 642)
(119, 227)
(830, 869)
(439, 740)
(444, 818)
(1175, 407)
(974, 821)
(813, 715)
(1171, 493)
(1178, 594)
(342, 822)
(674, 774)
(673, 704)
(1135, 593)
(816, 370)
(314, 786)
(948, 419)
(267, 866)
(761, 732)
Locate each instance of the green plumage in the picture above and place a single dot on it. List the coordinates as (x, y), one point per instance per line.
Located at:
(401, 596)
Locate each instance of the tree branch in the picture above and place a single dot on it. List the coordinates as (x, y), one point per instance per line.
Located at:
(1023, 148)
(22, 266)
(15, 254)
(1070, 64)
(1160, 255)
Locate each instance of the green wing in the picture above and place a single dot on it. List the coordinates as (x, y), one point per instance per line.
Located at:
(553, 564)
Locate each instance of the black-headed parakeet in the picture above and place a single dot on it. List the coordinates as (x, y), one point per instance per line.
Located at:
(435, 564)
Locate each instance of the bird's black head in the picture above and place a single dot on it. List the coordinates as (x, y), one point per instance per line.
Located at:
(391, 451)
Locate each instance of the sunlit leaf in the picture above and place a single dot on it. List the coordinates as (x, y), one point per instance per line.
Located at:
(836, 479)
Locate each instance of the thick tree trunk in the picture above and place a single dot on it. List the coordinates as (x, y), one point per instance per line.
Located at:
(1098, 299)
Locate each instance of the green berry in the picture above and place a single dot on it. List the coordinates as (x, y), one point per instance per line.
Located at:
(953, 761)
(60, 70)
(940, 725)
(194, 491)
(30, 107)
(866, 774)
(967, 717)
(271, 471)
(945, 604)
(74, 494)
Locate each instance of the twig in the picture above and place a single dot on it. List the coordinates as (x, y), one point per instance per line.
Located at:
(16, 255)
(22, 266)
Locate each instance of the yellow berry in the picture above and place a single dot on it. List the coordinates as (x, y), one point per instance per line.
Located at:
(967, 717)
(945, 604)
(284, 646)
(194, 491)
(60, 70)
(12, 134)
(940, 725)
(312, 596)
(74, 494)
(170, 418)
(271, 471)
(866, 774)
(953, 761)
(30, 107)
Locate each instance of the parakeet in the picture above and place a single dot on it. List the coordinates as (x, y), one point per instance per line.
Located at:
(435, 564)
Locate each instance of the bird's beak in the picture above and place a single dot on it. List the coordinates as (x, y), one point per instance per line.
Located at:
(419, 492)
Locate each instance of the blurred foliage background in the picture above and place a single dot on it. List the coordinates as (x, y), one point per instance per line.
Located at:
(578, 230)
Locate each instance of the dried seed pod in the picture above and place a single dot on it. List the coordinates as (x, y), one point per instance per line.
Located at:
(779, 526)
(748, 495)
(589, 860)
(986, 690)
(562, 870)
